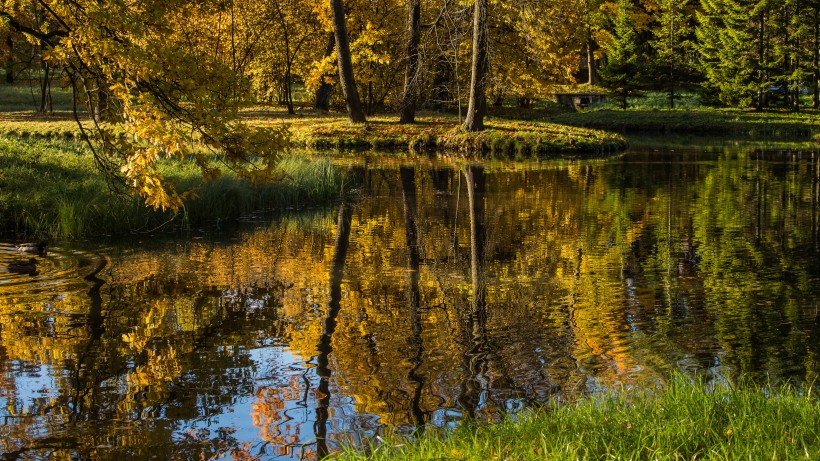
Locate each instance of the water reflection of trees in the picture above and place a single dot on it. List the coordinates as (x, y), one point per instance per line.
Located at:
(471, 290)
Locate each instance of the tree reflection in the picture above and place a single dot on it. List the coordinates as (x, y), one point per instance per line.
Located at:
(476, 319)
(325, 348)
(408, 183)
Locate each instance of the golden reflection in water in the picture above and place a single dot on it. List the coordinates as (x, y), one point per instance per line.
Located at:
(467, 291)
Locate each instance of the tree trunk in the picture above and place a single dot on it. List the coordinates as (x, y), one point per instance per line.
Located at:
(101, 112)
(440, 95)
(346, 80)
(816, 64)
(477, 107)
(10, 59)
(761, 51)
(322, 97)
(408, 102)
(45, 90)
(592, 71)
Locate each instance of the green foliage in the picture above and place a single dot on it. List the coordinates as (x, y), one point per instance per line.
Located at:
(623, 72)
(673, 62)
(727, 61)
(686, 420)
(653, 100)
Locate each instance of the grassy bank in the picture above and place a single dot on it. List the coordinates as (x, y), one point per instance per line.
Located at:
(503, 138)
(698, 121)
(51, 189)
(686, 421)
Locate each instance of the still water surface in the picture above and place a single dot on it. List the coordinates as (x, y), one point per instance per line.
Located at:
(433, 294)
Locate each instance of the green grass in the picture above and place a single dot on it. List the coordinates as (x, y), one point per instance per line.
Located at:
(503, 138)
(700, 121)
(653, 101)
(51, 189)
(685, 421)
(25, 96)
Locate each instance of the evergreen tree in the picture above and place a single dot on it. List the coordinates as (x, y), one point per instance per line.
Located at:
(672, 66)
(734, 41)
(622, 74)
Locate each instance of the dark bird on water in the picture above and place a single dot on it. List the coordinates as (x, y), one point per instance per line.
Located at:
(19, 266)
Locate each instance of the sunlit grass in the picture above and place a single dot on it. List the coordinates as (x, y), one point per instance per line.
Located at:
(503, 138)
(51, 189)
(442, 133)
(685, 421)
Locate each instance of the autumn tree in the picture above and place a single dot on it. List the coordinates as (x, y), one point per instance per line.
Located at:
(346, 80)
(477, 106)
(408, 101)
(536, 45)
(173, 98)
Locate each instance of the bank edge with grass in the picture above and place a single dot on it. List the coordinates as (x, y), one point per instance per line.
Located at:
(687, 420)
(439, 135)
(51, 189)
(773, 124)
(444, 137)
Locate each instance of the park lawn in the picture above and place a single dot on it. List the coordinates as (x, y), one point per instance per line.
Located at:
(440, 133)
(685, 421)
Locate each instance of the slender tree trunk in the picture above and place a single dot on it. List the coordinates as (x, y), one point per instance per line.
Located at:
(322, 97)
(45, 90)
(408, 102)
(100, 110)
(441, 96)
(287, 93)
(761, 51)
(346, 80)
(477, 107)
(10, 59)
(288, 90)
(592, 71)
(816, 63)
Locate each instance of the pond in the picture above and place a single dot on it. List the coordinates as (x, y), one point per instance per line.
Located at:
(431, 294)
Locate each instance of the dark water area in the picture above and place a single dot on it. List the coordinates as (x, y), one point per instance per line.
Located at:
(432, 294)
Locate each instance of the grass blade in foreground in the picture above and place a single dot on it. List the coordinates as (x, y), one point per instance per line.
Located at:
(683, 422)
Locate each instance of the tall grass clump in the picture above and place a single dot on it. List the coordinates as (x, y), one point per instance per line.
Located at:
(305, 182)
(50, 188)
(687, 420)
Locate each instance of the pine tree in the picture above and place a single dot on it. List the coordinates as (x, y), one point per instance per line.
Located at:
(734, 41)
(623, 72)
(673, 61)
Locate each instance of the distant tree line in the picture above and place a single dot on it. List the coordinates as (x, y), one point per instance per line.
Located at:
(404, 54)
